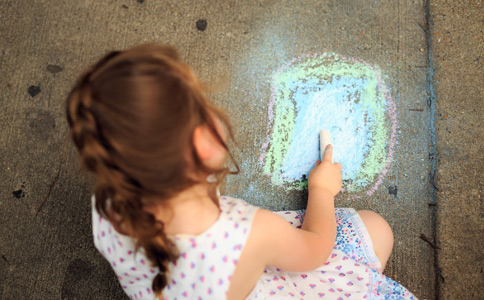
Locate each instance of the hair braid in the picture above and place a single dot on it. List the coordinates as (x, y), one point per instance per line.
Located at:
(132, 117)
(117, 194)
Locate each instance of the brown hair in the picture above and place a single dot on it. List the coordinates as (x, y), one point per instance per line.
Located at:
(132, 117)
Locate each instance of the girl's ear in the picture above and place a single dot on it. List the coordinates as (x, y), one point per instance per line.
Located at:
(202, 143)
(208, 148)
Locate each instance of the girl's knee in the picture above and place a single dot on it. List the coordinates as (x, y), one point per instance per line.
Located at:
(376, 223)
(380, 233)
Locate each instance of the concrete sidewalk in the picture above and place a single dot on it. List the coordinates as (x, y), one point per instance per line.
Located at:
(425, 179)
(457, 35)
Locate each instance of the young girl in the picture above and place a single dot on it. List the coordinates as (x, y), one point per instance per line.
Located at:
(158, 148)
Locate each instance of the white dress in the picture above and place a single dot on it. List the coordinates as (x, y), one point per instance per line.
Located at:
(207, 261)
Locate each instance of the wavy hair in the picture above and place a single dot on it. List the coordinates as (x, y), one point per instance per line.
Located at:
(132, 117)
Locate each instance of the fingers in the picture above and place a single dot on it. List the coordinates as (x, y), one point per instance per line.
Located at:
(328, 157)
(328, 154)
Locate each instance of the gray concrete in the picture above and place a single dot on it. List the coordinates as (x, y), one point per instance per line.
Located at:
(457, 32)
(49, 254)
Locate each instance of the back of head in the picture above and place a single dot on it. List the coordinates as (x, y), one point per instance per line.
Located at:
(132, 117)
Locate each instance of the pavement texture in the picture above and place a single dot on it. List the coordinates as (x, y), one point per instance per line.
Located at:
(423, 60)
(457, 33)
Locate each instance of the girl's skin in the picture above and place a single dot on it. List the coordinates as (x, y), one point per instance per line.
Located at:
(279, 245)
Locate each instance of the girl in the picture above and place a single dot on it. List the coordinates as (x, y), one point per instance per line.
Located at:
(158, 148)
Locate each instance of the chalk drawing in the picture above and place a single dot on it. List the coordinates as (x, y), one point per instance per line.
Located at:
(344, 95)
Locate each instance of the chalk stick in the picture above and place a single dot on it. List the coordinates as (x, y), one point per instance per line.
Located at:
(325, 140)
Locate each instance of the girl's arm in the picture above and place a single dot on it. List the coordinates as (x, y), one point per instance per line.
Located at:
(304, 249)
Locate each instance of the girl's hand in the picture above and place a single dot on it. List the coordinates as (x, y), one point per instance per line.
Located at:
(326, 175)
(274, 242)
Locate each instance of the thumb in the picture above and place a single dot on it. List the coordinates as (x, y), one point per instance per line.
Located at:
(328, 154)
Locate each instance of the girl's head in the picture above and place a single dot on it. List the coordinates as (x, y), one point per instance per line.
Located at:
(144, 127)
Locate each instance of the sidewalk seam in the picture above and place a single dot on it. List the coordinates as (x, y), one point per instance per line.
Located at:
(433, 151)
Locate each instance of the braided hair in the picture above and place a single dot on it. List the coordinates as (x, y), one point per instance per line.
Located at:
(132, 117)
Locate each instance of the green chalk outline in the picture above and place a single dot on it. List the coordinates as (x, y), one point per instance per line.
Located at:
(326, 67)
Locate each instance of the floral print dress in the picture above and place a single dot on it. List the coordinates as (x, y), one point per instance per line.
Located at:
(207, 261)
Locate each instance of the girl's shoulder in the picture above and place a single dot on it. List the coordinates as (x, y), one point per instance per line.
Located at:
(237, 211)
(231, 205)
(235, 218)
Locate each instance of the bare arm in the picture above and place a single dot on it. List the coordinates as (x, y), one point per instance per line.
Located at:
(307, 248)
